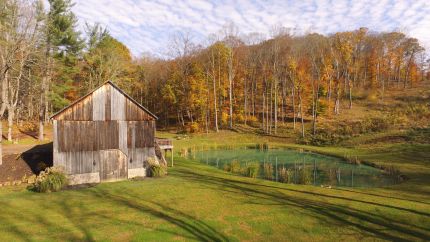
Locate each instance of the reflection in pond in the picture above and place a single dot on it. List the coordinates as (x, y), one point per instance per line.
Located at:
(291, 166)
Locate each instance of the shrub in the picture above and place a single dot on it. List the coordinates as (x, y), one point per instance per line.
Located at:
(50, 180)
(252, 169)
(251, 119)
(155, 169)
(285, 175)
(392, 171)
(239, 118)
(193, 127)
(227, 167)
(268, 171)
(224, 119)
(377, 124)
(29, 127)
(332, 135)
(372, 96)
(235, 166)
(264, 146)
(332, 176)
(323, 137)
(305, 176)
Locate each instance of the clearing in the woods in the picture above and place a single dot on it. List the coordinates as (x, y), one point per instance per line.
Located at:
(199, 202)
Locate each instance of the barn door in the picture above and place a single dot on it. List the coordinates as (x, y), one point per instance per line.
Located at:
(113, 165)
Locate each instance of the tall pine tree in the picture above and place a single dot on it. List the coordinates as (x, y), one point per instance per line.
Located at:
(63, 46)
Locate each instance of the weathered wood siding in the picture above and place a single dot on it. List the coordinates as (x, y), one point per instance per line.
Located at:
(113, 165)
(133, 113)
(98, 98)
(77, 142)
(118, 105)
(82, 111)
(104, 104)
(104, 133)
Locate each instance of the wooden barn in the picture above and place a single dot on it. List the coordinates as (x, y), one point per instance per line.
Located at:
(103, 136)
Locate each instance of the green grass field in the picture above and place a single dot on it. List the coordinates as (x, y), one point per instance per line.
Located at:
(199, 202)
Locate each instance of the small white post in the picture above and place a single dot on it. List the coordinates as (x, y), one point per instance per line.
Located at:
(171, 151)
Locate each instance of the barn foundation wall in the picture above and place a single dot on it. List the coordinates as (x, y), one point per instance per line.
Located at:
(136, 172)
(76, 179)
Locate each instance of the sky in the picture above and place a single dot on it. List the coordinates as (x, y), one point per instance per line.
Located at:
(148, 26)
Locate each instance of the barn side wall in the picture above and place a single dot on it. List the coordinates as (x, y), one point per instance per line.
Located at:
(79, 147)
(91, 131)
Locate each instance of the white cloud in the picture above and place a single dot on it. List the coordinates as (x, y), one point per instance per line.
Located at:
(146, 26)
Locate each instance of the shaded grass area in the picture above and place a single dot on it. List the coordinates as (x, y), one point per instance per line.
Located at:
(197, 202)
(201, 203)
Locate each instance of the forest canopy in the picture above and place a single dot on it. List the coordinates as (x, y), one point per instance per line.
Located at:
(46, 63)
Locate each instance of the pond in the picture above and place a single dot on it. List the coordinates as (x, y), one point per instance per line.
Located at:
(293, 166)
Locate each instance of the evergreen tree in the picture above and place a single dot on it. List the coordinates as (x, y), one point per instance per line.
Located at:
(64, 44)
(62, 49)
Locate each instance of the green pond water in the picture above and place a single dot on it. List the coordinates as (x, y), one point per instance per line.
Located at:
(293, 166)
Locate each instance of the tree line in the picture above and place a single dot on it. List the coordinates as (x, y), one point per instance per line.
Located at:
(238, 79)
(46, 63)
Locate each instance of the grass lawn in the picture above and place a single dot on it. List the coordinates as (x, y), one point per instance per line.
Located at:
(198, 202)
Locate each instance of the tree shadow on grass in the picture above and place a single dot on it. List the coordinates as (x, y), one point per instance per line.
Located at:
(379, 195)
(17, 221)
(68, 208)
(368, 223)
(190, 174)
(83, 219)
(196, 228)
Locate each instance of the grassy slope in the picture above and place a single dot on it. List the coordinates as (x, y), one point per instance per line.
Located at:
(202, 203)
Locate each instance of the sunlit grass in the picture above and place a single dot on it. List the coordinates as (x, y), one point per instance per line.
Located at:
(199, 202)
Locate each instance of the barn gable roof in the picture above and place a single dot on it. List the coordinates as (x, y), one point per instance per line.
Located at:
(79, 100)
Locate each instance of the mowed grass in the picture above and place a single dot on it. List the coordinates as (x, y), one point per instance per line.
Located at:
(198, 202)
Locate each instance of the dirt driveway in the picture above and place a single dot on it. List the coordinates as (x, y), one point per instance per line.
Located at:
(16, 149)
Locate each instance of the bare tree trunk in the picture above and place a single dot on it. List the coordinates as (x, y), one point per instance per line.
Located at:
(10, 116)
(253, 90)
(4, 94)
(181, 115)
(350, 91)
(245, 101)
(276, 106)
(337, 103)
(301, 113)
(294, 106)
(267, 111)
(283, 102)
(215, 94)
(264, 107)
(207, 119)
(215, 108)
(314, 101)
(230, 86)
(271, 108)
(405, 81)
(42, 110)
(329, 93)
(398, 75)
